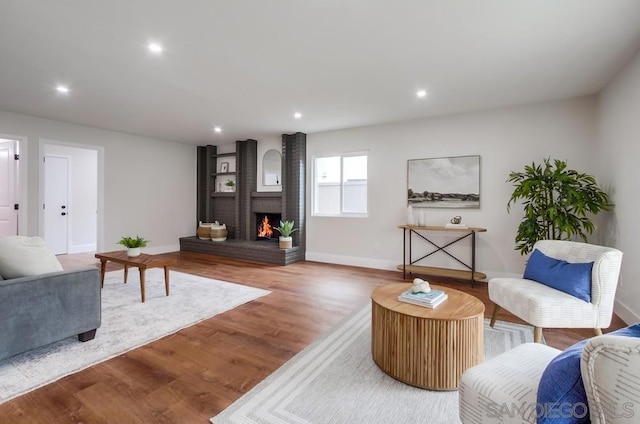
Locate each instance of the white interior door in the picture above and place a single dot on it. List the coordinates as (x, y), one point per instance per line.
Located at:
(56, 203)
(8, 214)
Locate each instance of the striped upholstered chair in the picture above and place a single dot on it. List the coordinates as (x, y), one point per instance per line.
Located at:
(545, 307)
(507, 389)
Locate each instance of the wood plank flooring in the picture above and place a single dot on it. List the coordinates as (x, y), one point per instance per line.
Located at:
(194, 374)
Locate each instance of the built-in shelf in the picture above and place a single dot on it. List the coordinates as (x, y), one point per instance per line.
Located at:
(223, 155)
(217, 174)
(274, 194)
(229, 194)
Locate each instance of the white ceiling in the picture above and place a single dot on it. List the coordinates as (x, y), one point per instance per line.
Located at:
(248, 65)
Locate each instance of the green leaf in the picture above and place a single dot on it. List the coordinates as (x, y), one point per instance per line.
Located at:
(557, 203)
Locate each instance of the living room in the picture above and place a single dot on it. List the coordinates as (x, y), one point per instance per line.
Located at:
(147, 184)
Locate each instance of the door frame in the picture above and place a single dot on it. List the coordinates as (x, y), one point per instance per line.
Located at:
(21, 180)
(43, 142)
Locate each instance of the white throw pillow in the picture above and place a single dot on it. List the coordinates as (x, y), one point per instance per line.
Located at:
(25, 256)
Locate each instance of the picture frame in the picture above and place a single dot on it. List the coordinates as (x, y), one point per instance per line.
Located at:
(224, 166)
(445, 182)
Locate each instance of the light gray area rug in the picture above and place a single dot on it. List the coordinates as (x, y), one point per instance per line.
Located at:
(127, 323)
(334, 380)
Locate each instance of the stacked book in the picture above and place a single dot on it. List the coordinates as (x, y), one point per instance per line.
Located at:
(427, 300)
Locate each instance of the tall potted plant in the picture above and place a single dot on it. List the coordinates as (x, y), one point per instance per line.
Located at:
(285, 229)
(557, 203)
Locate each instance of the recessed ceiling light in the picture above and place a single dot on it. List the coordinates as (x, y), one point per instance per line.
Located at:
(62, 89)
(421, 94)
(155, 48)
(217, 129)
(297, 115)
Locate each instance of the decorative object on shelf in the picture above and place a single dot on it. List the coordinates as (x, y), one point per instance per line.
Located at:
(451, 182)
(204, 230)
(410, 218)
(231, 185)
(455, 222)
(224, 167)
(133, 245)
(420, 286)
(218, 232)
(557, 203)
(422, 219)
(285, 229)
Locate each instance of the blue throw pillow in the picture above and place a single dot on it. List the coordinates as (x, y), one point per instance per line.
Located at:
(571, 278)
(561, 394)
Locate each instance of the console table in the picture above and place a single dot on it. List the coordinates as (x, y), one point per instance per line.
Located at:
(460, 274)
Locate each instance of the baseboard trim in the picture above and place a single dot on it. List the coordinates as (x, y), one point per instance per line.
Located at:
(625, 314)
(351, 260)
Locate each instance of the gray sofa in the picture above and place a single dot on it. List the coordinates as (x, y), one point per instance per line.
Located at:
(38, 310)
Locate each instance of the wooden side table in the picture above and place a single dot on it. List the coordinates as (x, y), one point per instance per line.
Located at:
(427, 348)
(142, 262)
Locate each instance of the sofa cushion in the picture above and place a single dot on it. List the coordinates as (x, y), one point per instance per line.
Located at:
(22, 256)
(571, 278)
(561, 394)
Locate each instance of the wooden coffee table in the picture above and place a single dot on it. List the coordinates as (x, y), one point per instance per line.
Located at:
(427, 348)
(142, 262)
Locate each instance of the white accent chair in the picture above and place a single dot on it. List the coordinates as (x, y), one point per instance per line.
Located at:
(546, 307)
(504, 389)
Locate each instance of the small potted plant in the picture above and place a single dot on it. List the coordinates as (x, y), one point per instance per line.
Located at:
(285, 229)
(230, 184)
(133, 245)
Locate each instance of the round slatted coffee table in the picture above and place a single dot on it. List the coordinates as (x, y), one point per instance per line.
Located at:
(427, 348)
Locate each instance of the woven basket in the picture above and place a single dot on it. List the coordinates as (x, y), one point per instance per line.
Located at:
(218, 232)
(204, 231)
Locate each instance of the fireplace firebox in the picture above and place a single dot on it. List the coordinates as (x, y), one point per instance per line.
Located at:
(265, 225)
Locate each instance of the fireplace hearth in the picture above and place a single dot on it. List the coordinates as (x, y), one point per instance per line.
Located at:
(265, 225)
(238, 209)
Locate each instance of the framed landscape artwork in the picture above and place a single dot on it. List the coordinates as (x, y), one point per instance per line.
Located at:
(450, 182)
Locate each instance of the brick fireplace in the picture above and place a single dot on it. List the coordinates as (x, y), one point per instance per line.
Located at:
(241, 210)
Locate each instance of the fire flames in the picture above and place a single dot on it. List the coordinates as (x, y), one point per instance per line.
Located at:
(265, 229)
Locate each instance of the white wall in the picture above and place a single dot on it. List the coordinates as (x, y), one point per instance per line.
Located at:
(149, 184)
(618, 157)
(83, 195)
(505, 139)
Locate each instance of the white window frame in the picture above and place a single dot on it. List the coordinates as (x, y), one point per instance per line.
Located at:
(342, 213)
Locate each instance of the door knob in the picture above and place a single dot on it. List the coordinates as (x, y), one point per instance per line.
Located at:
(63, 213)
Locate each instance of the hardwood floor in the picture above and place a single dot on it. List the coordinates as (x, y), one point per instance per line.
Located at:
(194, 374)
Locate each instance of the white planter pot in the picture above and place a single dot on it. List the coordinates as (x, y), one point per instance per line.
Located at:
(132, 252)
(285, 242)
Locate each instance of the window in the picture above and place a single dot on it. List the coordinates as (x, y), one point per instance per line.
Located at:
(339, 186)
